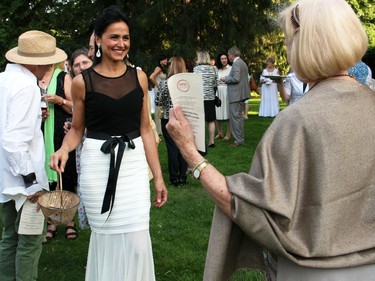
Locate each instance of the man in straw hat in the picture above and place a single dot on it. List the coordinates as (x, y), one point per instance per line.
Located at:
(22, 157)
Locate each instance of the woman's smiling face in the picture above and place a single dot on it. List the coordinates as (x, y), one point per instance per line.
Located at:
(115, 41)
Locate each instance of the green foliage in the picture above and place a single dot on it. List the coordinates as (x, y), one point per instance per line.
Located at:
(365, 9)
(173, 27)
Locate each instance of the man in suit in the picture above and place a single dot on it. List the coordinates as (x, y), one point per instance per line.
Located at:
(238, 92)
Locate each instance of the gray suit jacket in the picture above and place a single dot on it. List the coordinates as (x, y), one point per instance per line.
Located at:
(238, 82)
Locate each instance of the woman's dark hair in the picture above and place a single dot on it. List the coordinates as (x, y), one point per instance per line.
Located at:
(162, 57)
(164, 68)
(218, 60)
(108, 16)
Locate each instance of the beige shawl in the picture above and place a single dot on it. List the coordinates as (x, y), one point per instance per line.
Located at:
(310, 193)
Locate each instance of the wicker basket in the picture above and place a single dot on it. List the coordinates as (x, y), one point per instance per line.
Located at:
(59, 206)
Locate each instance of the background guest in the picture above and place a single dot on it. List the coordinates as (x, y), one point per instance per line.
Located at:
(292, 89)
(80, 61)
(177, 166)
(222, 112)
(359, 72)
(238, 92)
(159, 73)
(209, 76)
(56, 83)
(91, 51)
(269, 100)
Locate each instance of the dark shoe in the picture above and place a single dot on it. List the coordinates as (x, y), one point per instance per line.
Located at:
(175, 182)
(71, 235)
(212, 145)
(182, 181)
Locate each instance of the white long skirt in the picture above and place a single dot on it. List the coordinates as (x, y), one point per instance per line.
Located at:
(120, 246)
(115, 257)
(269, 101)
(222, 112)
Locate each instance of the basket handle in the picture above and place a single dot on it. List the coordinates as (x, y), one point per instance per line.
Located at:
(60, 181)
(60, 185)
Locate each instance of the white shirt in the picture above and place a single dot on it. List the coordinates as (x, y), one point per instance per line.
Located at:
(22, 145)
(223, 72)
(294, 87)
(369, 76)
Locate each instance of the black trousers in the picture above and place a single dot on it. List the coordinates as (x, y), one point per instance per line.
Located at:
(177, 166)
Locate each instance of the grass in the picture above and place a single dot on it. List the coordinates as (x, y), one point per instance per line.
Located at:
(179, 230)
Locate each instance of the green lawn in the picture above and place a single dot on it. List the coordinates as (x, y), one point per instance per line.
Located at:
(179, 230)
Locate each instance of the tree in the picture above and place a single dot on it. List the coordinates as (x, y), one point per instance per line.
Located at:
(174, 27)
(365, 9)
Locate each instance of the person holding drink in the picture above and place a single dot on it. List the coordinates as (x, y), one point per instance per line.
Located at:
(56, 85)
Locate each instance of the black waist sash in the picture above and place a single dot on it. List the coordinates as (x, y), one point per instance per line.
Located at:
(109, 147)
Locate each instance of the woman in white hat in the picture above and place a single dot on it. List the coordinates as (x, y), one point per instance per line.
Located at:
(22, 157)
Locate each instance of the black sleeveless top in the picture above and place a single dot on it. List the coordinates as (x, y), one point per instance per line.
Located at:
(60, 114)
(113, 105)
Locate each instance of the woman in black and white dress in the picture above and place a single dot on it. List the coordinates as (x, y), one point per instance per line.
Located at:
(110, 100)
(209, 76)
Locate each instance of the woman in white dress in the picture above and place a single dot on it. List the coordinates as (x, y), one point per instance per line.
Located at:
(111, 101)
(269, 101)
(222, 112)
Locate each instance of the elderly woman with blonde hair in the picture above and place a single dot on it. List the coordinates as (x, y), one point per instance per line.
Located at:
(308, 199)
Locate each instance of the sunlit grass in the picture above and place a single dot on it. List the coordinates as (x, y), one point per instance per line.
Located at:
(179, 230)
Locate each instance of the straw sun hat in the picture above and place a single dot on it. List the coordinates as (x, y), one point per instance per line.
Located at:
(36, 48)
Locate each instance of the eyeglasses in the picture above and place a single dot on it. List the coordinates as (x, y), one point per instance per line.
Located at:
(295, 18)
(82, 64)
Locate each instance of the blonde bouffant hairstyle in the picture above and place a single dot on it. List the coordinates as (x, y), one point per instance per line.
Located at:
(323, 37)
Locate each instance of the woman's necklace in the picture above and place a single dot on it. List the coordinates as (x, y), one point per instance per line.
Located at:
(336, 75)
(344, 74)
(44, 82)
